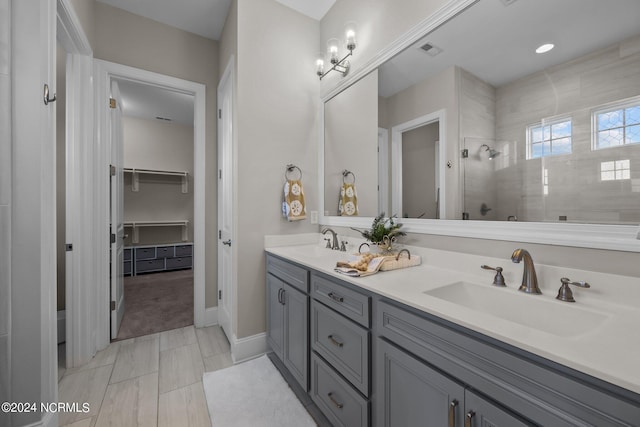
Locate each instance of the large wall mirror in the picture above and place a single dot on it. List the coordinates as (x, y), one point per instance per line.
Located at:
(472, 123)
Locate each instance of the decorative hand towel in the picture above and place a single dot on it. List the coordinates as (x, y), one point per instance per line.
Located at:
(348, 203)
(293, 207)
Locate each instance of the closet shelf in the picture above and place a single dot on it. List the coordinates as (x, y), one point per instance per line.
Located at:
(136, 225)
(135, 182)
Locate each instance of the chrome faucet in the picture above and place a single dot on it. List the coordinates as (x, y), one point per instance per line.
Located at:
(334, 244)
(529, 278)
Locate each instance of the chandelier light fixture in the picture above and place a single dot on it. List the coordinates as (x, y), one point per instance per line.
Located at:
(338, 64)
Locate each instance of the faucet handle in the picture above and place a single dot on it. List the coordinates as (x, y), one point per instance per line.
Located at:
(565, 293)
(498, 280)
(343, 247)
(328, 240)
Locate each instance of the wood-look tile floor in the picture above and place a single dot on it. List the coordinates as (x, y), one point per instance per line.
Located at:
(154, 380)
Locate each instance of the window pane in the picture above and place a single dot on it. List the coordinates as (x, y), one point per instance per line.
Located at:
(632, 115)
(633, 134)
(610, 138)
(607, 176)
(561, 130)
(610, 120)
(562, 146)
(546, 148)
(547, 133)
(536, 134)
(536, 150)
(606, 166)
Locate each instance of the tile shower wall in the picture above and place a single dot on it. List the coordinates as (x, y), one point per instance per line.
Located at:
(574, 185)
(5, 200)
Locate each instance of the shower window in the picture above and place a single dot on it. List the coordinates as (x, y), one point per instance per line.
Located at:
(617, 125)
(549, 139)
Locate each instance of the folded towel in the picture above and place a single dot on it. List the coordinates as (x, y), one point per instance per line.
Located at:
(361, 265)
(348, 203)
(293, 207)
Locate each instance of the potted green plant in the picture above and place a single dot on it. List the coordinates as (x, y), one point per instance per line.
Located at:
(383, 233)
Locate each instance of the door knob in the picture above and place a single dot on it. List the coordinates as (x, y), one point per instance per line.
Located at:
(227, 242)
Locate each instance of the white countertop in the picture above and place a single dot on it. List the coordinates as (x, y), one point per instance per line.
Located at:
(610, 350)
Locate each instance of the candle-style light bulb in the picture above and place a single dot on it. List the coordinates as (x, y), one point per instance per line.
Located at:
(350, 35)
(320, 66)
(332, 49)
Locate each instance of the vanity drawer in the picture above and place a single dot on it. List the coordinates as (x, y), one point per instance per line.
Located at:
(354, 305)
(337, 400)
(177, 263)
(164, 251)
(145, 266)
(184, 250)
(343, 343)
(127, 254)
(145, 253)
(296, 276)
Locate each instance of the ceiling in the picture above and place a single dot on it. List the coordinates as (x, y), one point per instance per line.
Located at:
(497, 42)
(205, 17)
(150, 102)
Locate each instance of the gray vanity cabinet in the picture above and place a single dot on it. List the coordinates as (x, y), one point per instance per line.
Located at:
(412, 393)
(288, 317)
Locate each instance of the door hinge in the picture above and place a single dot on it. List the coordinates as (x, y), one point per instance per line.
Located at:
(465, 153)
(219, 113)
(113, 238)
(112, 103)
(112, 170)
(219, 294)
(113, 305)
(219, 173)
(219, 234)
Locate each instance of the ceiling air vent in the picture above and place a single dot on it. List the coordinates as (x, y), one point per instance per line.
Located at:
(431, 49)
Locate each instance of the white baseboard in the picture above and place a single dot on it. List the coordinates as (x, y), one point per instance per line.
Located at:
(211, 316)
(62, 330)
(50, 419)
(248, 348)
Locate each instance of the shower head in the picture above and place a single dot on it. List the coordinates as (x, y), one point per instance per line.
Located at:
(492, 153)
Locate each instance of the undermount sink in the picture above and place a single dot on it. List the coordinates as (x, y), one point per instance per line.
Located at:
(553, 317)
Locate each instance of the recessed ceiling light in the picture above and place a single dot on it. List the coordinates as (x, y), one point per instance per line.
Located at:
(544, 48)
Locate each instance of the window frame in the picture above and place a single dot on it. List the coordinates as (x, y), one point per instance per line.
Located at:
(608, 108)
(542, 124)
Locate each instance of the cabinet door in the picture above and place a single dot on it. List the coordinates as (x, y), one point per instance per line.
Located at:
(275, 314)
(296, 334)
(481, 413)
(410, 393)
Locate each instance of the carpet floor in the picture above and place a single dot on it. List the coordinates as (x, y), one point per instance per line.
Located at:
(156, 302)
(253, 394)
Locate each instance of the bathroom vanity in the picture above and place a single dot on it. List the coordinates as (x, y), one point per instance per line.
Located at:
(407, 347)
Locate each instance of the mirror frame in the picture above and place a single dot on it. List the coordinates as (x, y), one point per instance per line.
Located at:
(596, 236)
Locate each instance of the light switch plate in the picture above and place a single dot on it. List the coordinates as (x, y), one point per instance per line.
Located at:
(314, 217)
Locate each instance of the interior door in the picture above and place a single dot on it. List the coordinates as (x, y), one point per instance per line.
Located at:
(225, 204)
(117, 212)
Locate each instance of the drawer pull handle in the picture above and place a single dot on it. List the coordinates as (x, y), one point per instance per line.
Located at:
(452, 413)
(335, 341)
(335, 402)
(468, 420)
(335, 297)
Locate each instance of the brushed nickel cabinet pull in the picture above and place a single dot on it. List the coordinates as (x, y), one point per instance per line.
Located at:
(335, 341)
(335, 297)
(334, 401)
(468, 420)
(452, 413)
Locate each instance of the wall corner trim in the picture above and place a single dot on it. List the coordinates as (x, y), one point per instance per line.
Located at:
(210, 316)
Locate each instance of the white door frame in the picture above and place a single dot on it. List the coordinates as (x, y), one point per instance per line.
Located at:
(396, 157)
(80, 221)
(227, 167)
(104, 72)
(383, 170)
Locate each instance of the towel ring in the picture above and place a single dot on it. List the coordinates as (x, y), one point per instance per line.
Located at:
(345, 174)
(290, 168)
